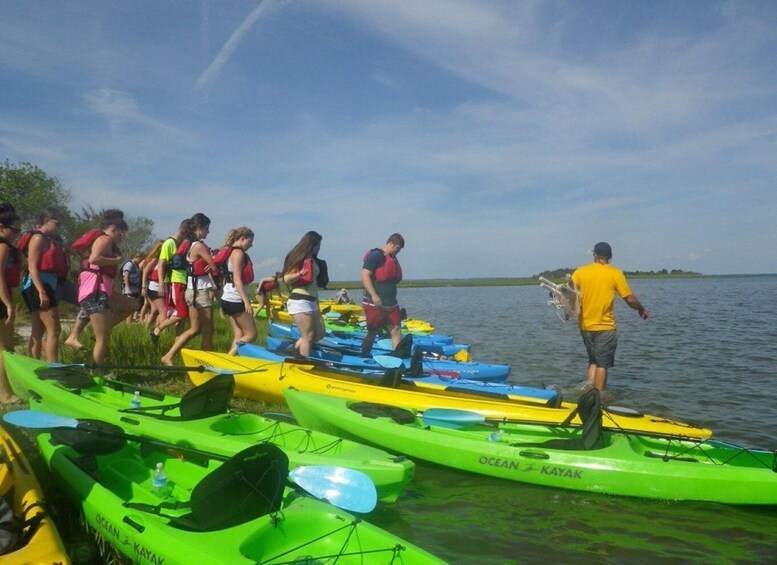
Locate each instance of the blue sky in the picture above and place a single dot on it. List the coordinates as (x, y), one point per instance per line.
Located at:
(501, 138)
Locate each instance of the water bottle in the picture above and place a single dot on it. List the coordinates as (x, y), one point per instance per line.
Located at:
(135, 402)
(496, 436)
(159, 481)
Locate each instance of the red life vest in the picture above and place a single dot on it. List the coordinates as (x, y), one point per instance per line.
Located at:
(221, 259)
(198, 267)
(389, 271)
(13, 266)
(53, 259)
(83, 246)
(307, 278)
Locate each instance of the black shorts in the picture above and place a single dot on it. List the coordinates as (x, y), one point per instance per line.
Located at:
(232, 308)
(32, 299)
(4, 313)
(152, 294)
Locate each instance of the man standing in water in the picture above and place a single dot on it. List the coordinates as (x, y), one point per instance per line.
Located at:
(381, 273)
(598, 283)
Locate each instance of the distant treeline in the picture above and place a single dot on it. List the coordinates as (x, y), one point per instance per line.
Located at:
(561, 273)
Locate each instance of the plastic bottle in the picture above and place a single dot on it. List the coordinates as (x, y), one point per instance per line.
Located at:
(135, 402)
(159, 480)
(496, 436)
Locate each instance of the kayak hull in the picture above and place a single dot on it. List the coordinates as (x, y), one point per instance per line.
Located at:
(17, 477)
(627, 465)
(224, 434)
(371, 369)
(303, 528)
(266, 380)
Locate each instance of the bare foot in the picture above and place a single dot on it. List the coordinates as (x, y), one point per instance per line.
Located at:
(166, 362)
(12, 399)
(74, 344)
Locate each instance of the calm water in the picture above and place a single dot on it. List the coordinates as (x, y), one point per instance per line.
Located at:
(708, 354)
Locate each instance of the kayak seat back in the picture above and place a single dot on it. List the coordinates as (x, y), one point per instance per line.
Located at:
(91, 437)
(589, 407)
(374, 410)
(247, 486)
(211, 398)
(404, 348)
(68, 377)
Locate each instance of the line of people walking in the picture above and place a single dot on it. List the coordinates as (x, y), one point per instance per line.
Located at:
(174, 285)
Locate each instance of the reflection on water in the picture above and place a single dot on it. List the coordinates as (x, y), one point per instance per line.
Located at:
(707, 355)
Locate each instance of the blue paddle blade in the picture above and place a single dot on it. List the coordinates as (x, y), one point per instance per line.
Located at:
(345, 488)
(384, 344)
(38, 420)
(388, 361)
(451, 418)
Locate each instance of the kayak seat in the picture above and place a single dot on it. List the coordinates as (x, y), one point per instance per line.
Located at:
(91, 437)
(416, 364)
(374, 410)
(247, 486)
(211, 398)
(392, 378)
(68, 377)
(404, 348)
(589, 407)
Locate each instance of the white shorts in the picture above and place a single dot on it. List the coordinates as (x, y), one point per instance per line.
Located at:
(301, 306)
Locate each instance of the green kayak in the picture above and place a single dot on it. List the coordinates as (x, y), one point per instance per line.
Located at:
(589, 459)
(243, 510)
(200, 420)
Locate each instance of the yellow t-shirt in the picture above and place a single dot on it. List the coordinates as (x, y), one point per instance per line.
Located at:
(598, 285)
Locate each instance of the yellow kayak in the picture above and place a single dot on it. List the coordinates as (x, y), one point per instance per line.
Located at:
(18, 481)
(266, 380)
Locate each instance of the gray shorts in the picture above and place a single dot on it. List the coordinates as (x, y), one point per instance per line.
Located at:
(601, 347)
(95, 303)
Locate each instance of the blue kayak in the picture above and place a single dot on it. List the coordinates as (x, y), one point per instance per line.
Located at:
(354, 340)
(416, 363)
(371, 367)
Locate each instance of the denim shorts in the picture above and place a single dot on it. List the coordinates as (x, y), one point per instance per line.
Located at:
(601, 347)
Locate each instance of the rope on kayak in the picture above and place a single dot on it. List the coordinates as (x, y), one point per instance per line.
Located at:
(395, 550)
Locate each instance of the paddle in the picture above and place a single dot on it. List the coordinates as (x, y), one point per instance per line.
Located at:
(195, 368)
(345, 488)
(456, 419)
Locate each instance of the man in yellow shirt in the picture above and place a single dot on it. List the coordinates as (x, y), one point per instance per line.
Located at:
(598, 283)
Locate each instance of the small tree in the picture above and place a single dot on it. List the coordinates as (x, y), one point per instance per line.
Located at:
(30, 190)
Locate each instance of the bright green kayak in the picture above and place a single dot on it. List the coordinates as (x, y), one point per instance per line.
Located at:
(69, 391)
(589, 459)
(239, 511)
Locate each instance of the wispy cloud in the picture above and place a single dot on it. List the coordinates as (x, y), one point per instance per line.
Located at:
(226, 51)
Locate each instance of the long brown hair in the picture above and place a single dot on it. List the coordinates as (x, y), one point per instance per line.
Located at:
(301, 251)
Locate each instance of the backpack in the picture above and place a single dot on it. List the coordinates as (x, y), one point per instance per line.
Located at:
(179, 262)
(135, 276)
(83, 246)
(323, 273)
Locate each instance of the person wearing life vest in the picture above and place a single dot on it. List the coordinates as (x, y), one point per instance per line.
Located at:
(238, 274)
(95, 282)
(381, 272)
(300, 273)
(10, 273)
(47, 266)
(153, 305)
(172, 283)
(200, 289)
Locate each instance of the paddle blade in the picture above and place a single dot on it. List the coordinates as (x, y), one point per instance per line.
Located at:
(38, 420)
(345, 488)
(388, 361)
(451, 418)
